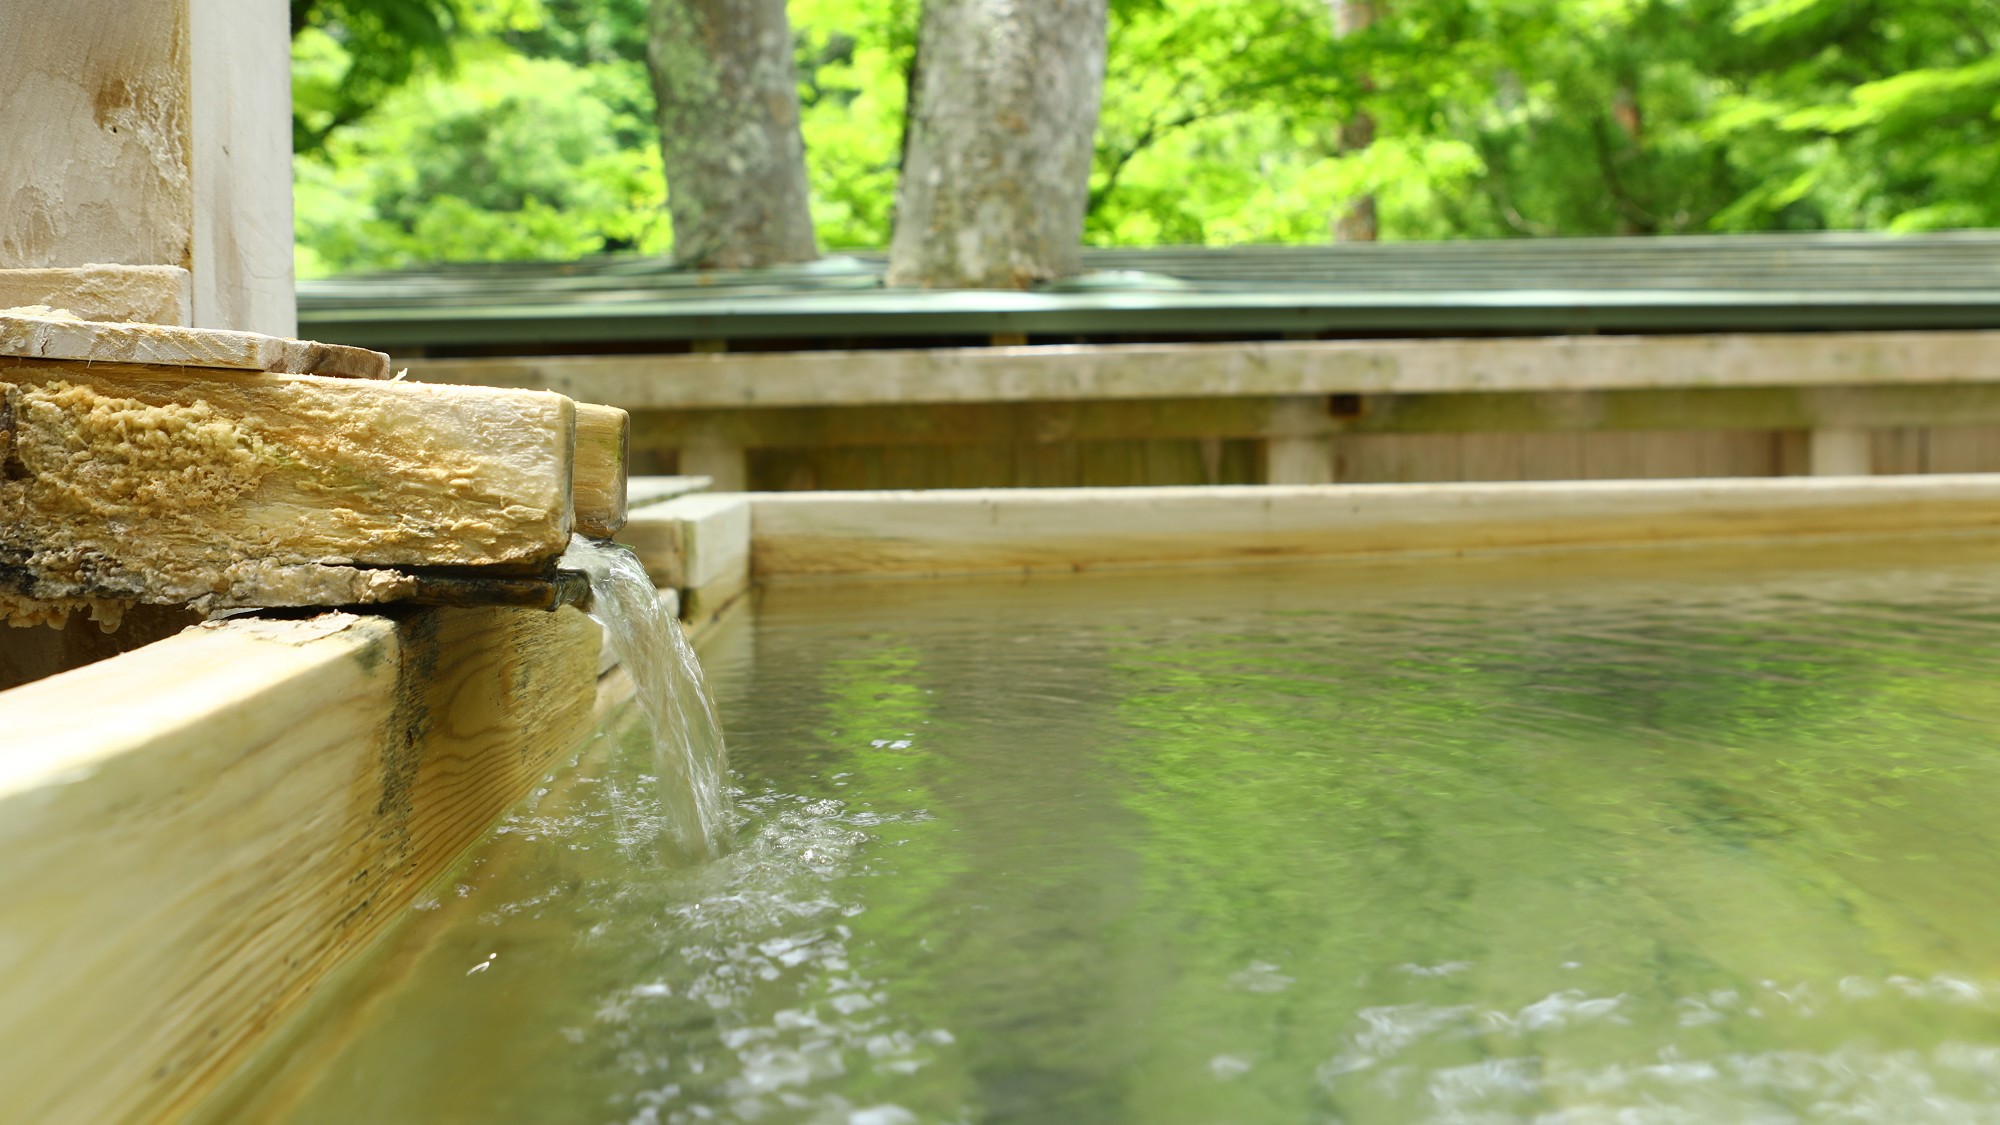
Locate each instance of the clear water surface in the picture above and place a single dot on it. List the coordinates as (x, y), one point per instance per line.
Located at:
(1639, 838)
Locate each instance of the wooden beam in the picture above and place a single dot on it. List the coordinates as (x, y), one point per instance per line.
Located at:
(710, 453)
(1034, 423)
(598, 489)
(159, 485)
(42, 333)
(153, 294)
(646, 491)
(697, 546)
(1028, 530)
(198, 833)
(1166, 371)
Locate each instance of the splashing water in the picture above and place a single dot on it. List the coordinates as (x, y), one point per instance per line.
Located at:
(673, 696)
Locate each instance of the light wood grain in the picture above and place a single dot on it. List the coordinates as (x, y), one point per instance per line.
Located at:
(598, 488)
(40, 333)
(154, 484)
(155, 134)
(196, 833)
(150, 294)
(987, 532)
(645, 491)
(1158, 371)
(96, 135)
(240, 165)
(697, 545)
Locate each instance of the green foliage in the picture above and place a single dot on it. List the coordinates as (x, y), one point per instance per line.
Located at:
(1878, 114)
(348, 55)
(854, 59)
(441, 129)
(511, 158)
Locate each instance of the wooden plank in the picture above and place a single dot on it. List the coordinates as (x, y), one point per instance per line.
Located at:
(698, 545)
(151, 294)
(598, 485)
(1152, 371)
(240, 166)
(1963, 449)
(988, 532)
(42, 333)
(1298, 453)
(705, 453)
(158, 485)
(1050, 423)
(95, 140)
(644, 491)
(199, 832)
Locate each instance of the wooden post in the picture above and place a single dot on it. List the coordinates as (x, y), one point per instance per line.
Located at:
(240, 89)
(1299, 452)
(724, 462)
(152, 133)
(1841, 452)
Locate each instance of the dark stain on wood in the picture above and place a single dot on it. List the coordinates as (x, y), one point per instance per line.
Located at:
(419, 652)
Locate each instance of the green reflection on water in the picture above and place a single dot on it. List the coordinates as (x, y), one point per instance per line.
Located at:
(1707, 846)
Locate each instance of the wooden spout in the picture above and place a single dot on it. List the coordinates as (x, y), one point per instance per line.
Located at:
(598, 486)
(150, 464)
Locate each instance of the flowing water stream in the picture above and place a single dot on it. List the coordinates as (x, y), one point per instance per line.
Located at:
(667, 684)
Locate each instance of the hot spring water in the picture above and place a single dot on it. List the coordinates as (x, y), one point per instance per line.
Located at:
(1662, 841)
(669, 690)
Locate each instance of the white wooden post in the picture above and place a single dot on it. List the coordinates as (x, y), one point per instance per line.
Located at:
(142, 134)
(241, 90)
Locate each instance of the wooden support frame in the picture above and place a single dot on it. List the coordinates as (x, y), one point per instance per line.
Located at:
(1104, 372)
(159, 485)
(1320, 411)
(198, 832)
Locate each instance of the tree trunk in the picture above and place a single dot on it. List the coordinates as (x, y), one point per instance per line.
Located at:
(729, 132)
(1357, 223)
(998, 171)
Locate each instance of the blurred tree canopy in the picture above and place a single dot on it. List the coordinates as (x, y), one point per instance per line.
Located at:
(486, 129)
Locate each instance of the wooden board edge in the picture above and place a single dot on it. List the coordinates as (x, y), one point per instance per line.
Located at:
(1239, 369)
(249, 804)
(150, 294)
(944, 532)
